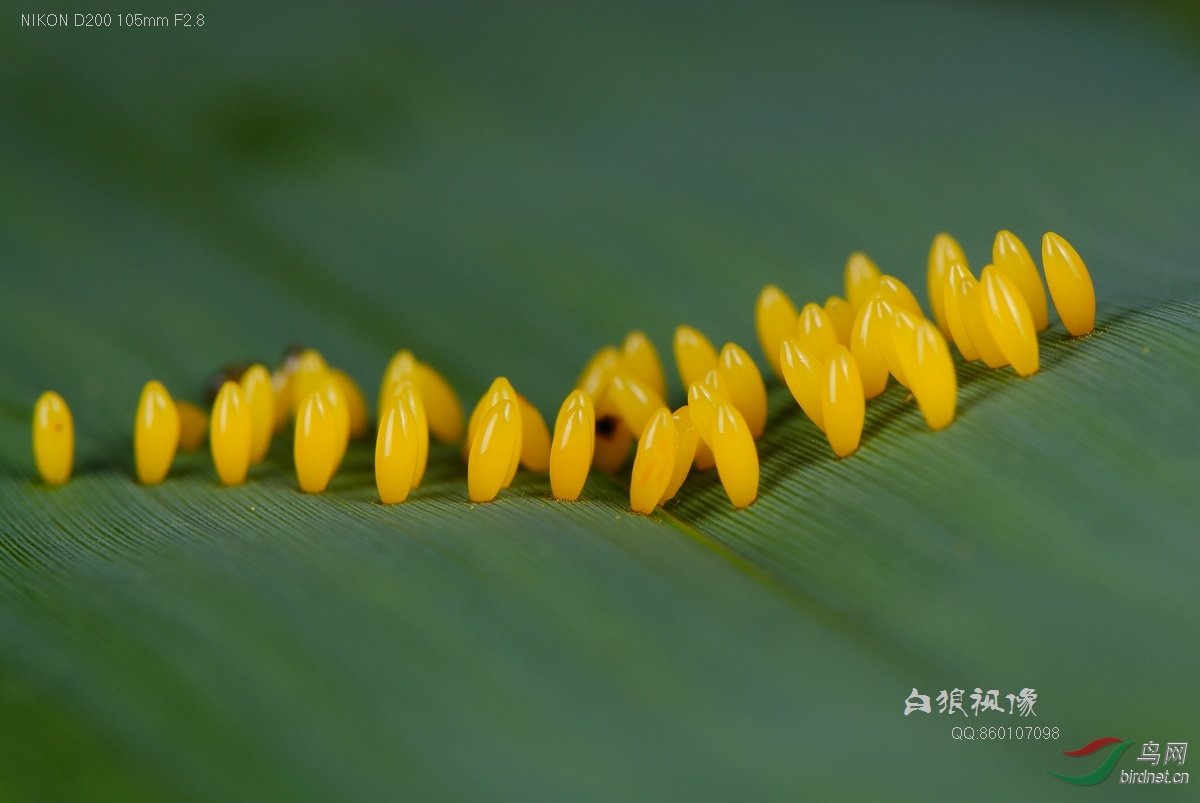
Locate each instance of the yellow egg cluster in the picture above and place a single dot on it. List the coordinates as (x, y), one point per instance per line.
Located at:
(833, 357)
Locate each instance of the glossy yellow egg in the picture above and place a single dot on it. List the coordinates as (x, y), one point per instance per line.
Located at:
(735, 454)
(573, 446)
(230, 434)
(970, 306)
(402, 366)
(535, 437)
(866, 344)
(635, 401)
(640, 359)
(155, 434)
(1070, 285)
(259, 396)
(396, 448)
(597, 373)
(841, 315)
(687, 439)
(860, 277)
(356, 404)
(193, 426)
(53, 438)
(442, 406)
(928, 363)
(406, 392)
(944, 252)
(314, 448)
(842, 403)
(815, 332)
(955, 276)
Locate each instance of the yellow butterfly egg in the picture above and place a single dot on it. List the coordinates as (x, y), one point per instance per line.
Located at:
(500, 389)
(356, 404)
(1009, 321)
(573, 446)
(802, 372)
(944, 252)
(639, 358)
(406, 392)
(746, 389)
(314, 448)
(654, 462)
(860, 277)
(53, 438)
(775, 318)
(694, 355)
(155, 434)
(1070, 285)
(841, 315)
(230, 434)
(842, 403)
(396, 449)
(735, 454)
(1010, 257)
(687, 438)
(970, 305)
(281, 384)
(903, 325)
(259, 396)
(193, 426)
(496, 439)
(338, 408)
(635, 401)
(870, 327)
(928, 363)
(703, 398)
(815, 332)
(597, 373)
(402, 366)
(535, 437)
(952, 294)
(442, 406)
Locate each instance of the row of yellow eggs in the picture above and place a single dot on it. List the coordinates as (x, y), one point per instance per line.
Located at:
(832, 357)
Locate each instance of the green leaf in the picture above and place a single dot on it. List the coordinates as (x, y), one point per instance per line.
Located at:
(504, 191)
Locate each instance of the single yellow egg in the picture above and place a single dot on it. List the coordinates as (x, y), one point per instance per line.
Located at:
(314, 448)
(396, 448)
(281, 384)
(635, 401)
(230, 436)
(442, 406)
(1009, 321)
(870, 327)
(803, 374)
(573, 446)
(944, 252)
(496, 439)
(841, 315)
(860, 276)
(535, 437)
(970, 305)
(653, 462)
(687, 438)
(640, 359)
(499, 390)
(842, 403)
(928, 363)
(155, 434)
(259, 395)
(775, 318)
(53, 438)
(193, 426)
(746, 389)
(815, 332)
(955, 276)
(1010, 257)
(337, 407)
(694, 355)
(1070, 285)
(735, 454)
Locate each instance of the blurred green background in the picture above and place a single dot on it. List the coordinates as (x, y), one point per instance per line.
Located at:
(503, 188)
